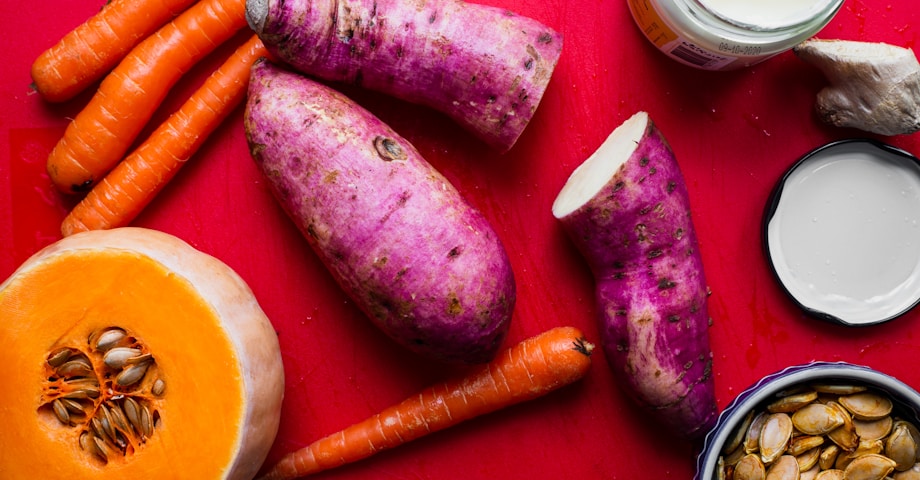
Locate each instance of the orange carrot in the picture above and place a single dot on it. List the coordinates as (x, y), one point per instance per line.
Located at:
(104, 130)
(119, 197)
(87, 52)
(528, 370)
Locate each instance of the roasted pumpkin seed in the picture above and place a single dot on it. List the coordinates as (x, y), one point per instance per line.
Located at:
(869, 467)
(828, 457)
(808, 459)
(749, 468)
(803, 443)
(817, 419)
(774, 437)
(873, 429)
(844, 432)
(911, 474)
(791, 403)
(785, 468)
(752, 439)
(901, 446)
(832, 474)
(838, 389)
(867, 405)
(845, 435)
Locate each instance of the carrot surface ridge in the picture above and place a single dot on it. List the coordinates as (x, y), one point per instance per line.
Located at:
(534, 367)
(90, 50)
(126, 99)
(121, 196)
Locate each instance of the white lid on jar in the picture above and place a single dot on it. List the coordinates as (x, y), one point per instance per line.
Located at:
(842, 232)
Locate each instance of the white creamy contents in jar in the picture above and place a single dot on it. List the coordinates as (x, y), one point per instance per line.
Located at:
(845, 235)
(765, 14)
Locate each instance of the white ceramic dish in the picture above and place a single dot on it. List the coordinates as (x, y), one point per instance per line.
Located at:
(906, 401)
(842, 232)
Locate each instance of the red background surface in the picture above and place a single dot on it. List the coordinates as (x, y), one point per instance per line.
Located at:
(734, 135)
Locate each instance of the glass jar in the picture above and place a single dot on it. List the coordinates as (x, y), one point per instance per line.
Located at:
(729, 34)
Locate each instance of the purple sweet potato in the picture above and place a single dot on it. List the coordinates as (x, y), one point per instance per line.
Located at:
(422, 263)
(485, 67)
(627, 211)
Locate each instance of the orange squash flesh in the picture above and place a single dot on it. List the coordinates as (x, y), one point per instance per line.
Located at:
(214, 349)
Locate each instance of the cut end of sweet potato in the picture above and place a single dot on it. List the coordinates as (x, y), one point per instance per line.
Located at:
(592, 175)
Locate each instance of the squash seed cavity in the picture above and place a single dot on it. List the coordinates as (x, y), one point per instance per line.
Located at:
(103, 389)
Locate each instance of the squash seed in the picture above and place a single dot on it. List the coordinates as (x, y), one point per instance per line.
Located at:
(85, 441)
(59, 356)
(103, 389)
(832, 474)
(774, 437)
(158, 388)
(117, 357)
(77, 367)
(749, 468)
(873, 429)
(101, 450)
(791, 403)
(911, 474)
(785, 468)
(117, 417)
(60, 411)
(803, 443)
(144, 359)
(131, 375)
(108, 338)
(901, 447)
(828, 457)
(844, 435)
(734, 441)
(838, 389)
(811, 473)
(869, 467)
(817, 419)
(867, 405)
(72, 406)
(132, 412)
(808, 459)
(752, 439)
(146, 421)
(866, 447)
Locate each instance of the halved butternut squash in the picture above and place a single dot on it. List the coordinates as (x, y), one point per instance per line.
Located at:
(127, 353)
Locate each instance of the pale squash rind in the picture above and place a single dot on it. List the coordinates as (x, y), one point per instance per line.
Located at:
(245, 323)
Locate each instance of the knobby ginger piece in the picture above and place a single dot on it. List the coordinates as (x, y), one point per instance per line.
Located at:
(874, 87)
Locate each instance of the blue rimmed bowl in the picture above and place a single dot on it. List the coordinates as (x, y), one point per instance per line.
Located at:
(906, 401)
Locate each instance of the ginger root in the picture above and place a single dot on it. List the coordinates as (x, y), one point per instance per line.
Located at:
(874, 87)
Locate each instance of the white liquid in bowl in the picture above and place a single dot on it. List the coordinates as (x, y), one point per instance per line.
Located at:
(765, 14)
(845, 235)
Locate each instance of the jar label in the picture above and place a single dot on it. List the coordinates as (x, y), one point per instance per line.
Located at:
(675, 46)
(688, 53)
(651, 24)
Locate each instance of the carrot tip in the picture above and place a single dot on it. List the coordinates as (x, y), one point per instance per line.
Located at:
(583, 346)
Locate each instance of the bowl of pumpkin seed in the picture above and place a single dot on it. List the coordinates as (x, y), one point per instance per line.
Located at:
(817, 421)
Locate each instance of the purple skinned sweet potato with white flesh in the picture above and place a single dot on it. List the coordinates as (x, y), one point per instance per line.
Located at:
(485, 67)
(627, 211)
(417, 258)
